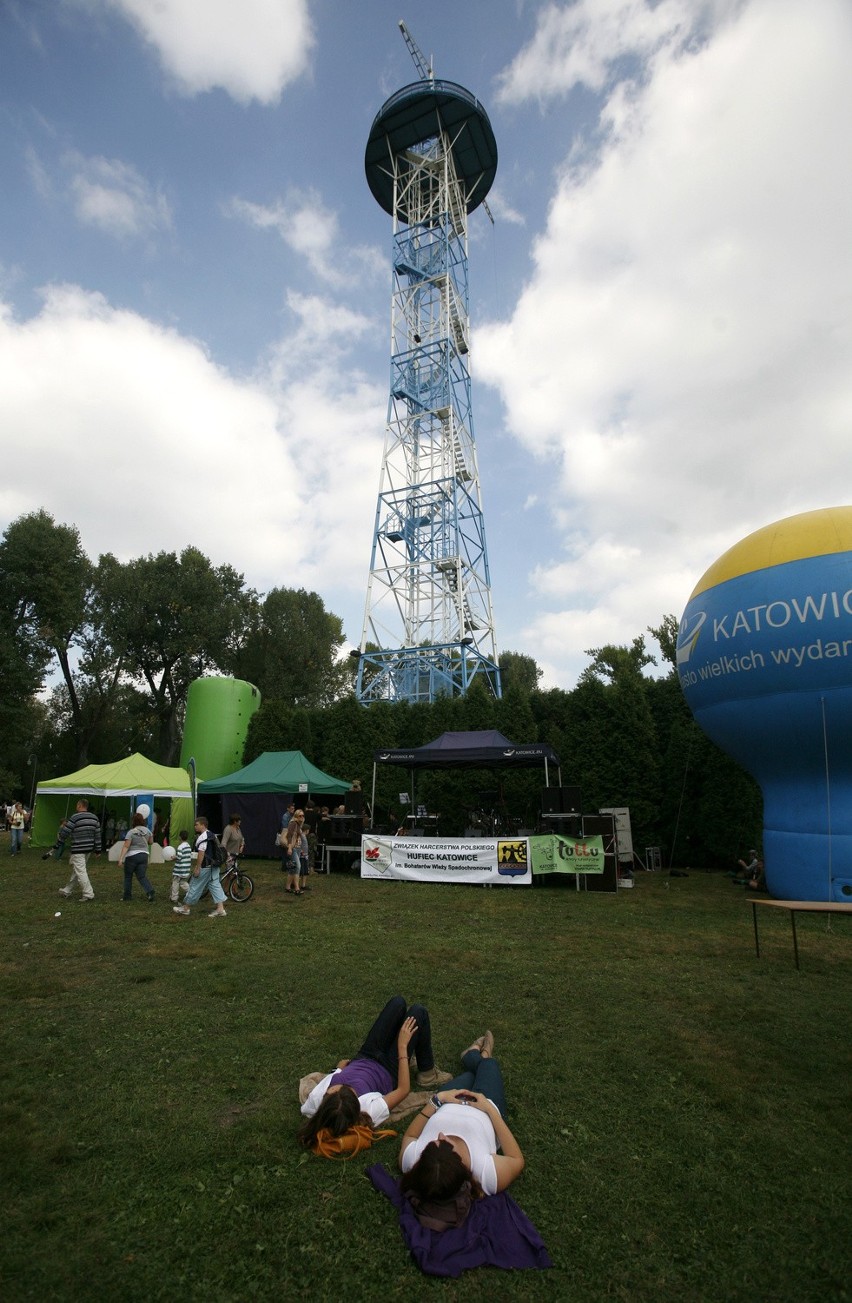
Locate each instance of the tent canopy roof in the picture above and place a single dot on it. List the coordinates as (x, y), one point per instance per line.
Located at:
(132, 776)
(471, 750)
(276, 771)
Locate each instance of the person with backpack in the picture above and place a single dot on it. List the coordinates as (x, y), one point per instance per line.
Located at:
(208, 860)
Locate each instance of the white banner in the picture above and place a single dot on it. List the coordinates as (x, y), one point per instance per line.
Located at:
(504, 861)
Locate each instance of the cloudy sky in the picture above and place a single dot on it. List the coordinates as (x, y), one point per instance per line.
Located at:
(195, 287)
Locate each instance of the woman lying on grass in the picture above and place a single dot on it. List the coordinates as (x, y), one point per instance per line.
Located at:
(449, 1153)
(349, 1103)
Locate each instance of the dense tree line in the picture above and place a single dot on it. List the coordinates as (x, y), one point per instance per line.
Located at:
(625, 738)
(118, 644)
(96, 658)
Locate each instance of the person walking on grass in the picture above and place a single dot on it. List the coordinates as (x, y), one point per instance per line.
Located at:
(205, 874)
(182, 867)
(16, 828)
(84, 831)
(133, 857)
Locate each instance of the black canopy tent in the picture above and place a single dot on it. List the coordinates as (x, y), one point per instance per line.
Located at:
(483, 749)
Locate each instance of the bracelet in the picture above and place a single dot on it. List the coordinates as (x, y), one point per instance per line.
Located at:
(436, 1102)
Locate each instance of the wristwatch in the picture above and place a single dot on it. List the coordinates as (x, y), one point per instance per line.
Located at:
(435, 1101)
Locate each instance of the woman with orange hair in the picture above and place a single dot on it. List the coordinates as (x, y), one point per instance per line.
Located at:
(362, 1091)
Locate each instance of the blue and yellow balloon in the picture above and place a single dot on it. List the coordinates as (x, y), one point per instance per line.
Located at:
(765, 662)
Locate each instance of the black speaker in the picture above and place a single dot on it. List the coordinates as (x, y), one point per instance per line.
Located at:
(602, 825)
(572, 801)
(353, 804)
(551, 800)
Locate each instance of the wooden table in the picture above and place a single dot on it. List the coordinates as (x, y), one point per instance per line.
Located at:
(795, 907)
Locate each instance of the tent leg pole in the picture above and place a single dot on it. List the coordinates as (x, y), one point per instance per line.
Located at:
(373, 801)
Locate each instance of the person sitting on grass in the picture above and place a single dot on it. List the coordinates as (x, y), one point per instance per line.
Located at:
(344, 1109)
(746, 871)
(757, 881)
(449, 1154)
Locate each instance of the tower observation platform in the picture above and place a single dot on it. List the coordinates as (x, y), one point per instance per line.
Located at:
(428, 625)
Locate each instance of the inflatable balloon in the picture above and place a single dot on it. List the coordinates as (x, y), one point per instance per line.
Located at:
(169, 853)
(764, 658)
(144, 810)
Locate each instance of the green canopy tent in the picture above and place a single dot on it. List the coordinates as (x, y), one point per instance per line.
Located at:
(112, 789)
(260, 792)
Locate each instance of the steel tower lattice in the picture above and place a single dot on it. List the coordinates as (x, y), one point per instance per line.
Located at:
(428, 622)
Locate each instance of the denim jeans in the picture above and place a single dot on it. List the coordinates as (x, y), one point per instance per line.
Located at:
(483, 1076)
(380, 1043)
(208, 877)
(137, 864)
(16, 840)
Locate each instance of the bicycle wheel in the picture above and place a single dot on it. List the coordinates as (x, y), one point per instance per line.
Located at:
(240, 887)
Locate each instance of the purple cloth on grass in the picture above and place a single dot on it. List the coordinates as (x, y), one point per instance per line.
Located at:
(496, 1234)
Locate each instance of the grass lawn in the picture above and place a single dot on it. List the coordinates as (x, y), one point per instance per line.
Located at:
(682, 1105)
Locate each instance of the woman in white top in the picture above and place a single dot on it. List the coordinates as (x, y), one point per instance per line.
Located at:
(449, 1154)
(363, 1090)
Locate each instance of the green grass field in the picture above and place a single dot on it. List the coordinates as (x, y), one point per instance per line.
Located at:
(682, 1105)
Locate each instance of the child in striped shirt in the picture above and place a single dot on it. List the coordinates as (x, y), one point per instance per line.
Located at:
(181, 868)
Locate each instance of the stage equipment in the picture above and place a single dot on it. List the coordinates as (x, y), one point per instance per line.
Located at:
(353, 804)
(623, 833)
(565, 801)
(602, 825)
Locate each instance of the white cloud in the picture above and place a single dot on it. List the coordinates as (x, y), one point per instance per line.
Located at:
(312, 231)
(252, 49)
(681, 352)
(335, 417)
(581, 43)
(503, 210)
(131, 432)
(303, 222)
(114, 197)
(148, 444)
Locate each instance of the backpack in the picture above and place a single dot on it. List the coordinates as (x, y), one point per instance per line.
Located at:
(214, 851)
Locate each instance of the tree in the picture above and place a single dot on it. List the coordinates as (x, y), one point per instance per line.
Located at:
(292, 650)
(611, 664)
(518, 671)
(174, 618)
(612, 729)
(666, 635)
(46, 577)
(479, 708)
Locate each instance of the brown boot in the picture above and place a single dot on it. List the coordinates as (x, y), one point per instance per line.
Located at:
(485, 1045)
(433, 1077)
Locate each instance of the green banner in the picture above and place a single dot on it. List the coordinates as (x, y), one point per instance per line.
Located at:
(557, 854)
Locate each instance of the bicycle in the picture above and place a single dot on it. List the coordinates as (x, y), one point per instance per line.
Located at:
(236, 881)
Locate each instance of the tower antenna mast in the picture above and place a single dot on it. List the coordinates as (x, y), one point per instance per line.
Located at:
(424, 68)
(428, 627)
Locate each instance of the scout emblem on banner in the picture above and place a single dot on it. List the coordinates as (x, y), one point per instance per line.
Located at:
(512, 857)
